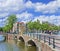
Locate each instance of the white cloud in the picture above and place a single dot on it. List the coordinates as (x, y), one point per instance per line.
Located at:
(25, 16)
(52, 19)
(29, 4)
(3, 14)
(51, 7)
(3, 19)
(8, 7)
(11, 5)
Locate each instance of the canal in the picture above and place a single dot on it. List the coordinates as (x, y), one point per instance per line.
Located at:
(13, 45)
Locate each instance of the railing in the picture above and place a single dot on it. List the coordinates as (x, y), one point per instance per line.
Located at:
(53, 40)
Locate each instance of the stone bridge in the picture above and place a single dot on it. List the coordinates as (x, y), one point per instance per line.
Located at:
(35, 40)
(42, 42)
(29, 41)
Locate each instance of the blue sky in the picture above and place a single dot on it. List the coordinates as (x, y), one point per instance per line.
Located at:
(26, 10)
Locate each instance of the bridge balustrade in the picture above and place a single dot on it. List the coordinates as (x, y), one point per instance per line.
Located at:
(52, 40)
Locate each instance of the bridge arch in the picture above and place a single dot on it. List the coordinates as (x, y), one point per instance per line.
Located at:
(32, 43)
(21, 38)
(28, 40)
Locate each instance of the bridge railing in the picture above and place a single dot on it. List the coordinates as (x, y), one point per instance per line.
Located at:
(52, 40)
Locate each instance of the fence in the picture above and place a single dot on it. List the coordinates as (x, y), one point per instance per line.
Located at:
(53, 40)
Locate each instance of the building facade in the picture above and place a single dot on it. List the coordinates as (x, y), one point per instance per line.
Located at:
(19, 27)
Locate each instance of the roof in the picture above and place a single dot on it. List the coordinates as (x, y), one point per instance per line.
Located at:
(20, 22)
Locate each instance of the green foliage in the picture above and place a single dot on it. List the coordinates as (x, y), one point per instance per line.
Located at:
(34, 25)
(1, 28)
(45, 26)
(30, 25)
(58, 27)
(6, 28)
(10, 21)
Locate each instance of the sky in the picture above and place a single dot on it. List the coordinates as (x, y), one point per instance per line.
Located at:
(26, 10)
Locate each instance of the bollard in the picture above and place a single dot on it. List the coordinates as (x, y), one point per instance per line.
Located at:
(49, 41)
(32, 35)
(39, 37)
(44, 39)
(53, 42)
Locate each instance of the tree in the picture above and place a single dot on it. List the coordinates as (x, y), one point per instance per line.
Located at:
(34, 25)
(59, 27)
(30, 25)
(10, 21)
(37, 25)
(45, 26)
(1, 28)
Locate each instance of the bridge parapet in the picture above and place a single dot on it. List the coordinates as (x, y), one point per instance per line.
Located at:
(43, 41)
(53, 41)
(30, 41)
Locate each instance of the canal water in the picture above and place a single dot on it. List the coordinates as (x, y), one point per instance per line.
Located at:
(16, 46)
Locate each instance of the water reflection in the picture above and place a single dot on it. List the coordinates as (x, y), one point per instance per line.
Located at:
(17, 46)
(25, 48)
(21, 45)
(32, 48)
(4, 46)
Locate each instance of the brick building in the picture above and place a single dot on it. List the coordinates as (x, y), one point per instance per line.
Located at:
(19, 27)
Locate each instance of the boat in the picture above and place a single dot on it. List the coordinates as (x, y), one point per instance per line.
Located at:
(2, 38)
